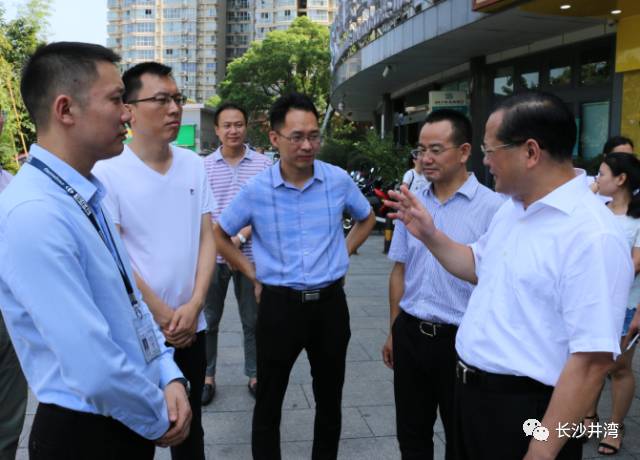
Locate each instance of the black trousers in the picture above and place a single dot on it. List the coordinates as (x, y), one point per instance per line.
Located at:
(192, 361)
(63, 434)
(285, 327)
(424, 365)
(489, 420)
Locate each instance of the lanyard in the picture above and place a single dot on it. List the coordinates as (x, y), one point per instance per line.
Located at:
(86, 209)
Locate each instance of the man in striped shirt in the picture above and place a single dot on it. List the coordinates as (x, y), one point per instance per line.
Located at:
(426, 302)
(228, 169)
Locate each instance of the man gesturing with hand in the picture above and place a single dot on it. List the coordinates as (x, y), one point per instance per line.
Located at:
(553, 273)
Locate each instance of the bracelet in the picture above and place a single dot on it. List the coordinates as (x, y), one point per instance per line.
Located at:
(241, 237)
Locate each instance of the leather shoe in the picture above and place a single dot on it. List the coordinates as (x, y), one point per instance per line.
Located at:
(252, 388)
(208, 392)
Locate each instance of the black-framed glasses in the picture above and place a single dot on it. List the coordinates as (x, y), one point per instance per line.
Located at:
(298, 138)
(435, 150)
(163, 99)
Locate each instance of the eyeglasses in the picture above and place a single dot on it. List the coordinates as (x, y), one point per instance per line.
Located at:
(298, 139)
(488, 152)
(163, 99)
(435, 150)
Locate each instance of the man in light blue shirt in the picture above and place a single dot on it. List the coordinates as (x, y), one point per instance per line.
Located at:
(427, 302)
(295, 209)
(106, 384)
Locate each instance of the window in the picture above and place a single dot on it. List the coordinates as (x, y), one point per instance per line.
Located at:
(594, 128)
(530, 80)
(560, 76)
(594, 73)
(168, 52)
(503, 82)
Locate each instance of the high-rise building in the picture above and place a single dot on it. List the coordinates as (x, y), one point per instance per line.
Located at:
(198, 37)
(184, 34)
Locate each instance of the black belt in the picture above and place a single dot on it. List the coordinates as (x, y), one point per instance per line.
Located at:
(310, 295)
(474, 377)
(431, 329)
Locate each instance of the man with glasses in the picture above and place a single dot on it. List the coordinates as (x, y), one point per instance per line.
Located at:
(160, 200)
(229, 168)
(426, 302)
(295, 211)
(553, 272)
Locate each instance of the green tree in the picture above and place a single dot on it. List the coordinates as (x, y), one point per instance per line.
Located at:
(18, 40)
(296, 59)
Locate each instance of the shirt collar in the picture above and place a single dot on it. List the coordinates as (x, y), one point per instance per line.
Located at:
(468, 189)
(277, 180)
(90, 189)
(562, 198)
(248, 153)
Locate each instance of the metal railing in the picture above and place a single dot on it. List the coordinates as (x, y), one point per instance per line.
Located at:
(358, 23)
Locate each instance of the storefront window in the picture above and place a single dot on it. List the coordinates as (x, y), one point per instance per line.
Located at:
(593, 73)
(503, 82)
(594, 128)
(560, 76)
(530, 80)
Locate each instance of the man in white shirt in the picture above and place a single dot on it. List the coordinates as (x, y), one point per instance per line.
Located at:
(159, 197)
(553, 272)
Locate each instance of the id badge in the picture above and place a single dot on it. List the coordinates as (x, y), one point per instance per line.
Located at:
(145, 330)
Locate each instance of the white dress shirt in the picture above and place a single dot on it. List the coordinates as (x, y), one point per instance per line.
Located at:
(553, 279)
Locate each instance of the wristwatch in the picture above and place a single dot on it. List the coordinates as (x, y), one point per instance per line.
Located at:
(241, 237)
(185, 382)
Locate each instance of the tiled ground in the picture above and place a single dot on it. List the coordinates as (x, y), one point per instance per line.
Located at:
(368, 431)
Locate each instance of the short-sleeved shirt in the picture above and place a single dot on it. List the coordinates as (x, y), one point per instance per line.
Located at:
(226, 181)
(430, 292)
(553, 279)
(160, 219)
(415, 180)
(298, 241)
(631, 229)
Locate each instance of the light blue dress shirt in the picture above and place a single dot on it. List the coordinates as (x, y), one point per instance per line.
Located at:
(298, 241)
(430, 292)
(66, 307)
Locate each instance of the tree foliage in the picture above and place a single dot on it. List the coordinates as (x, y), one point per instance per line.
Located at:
(19, 38)
(296, 59)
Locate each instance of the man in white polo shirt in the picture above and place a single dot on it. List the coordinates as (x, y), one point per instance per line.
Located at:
(553, 273)
(158, 196)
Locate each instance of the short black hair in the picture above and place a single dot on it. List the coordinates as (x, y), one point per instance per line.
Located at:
(541, 116)
(616, 141)
(460, 124)
(60, 67)
(132, 77)
(283, 104)
(226, 105)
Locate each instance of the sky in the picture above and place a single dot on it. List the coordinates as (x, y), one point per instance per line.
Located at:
(71, 20)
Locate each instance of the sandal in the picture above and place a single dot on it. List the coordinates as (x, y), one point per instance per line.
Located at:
(587, 422)
(613, 449)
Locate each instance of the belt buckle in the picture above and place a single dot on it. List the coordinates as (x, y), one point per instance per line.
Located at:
(426, 332)
(310, 296)
(462, 367)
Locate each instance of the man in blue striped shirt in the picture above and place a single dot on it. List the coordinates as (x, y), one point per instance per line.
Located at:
(426, 302)
(295, 209)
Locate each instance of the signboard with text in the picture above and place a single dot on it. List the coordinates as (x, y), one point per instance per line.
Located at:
(456, 100)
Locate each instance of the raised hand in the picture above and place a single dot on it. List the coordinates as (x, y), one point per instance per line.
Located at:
(412, 213)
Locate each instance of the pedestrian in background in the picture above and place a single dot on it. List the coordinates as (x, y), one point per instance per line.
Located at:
(107, 386)
(13, 386)
(295, 211)
(553, 273)
(159, 199)
(414, 178)
(229, 168)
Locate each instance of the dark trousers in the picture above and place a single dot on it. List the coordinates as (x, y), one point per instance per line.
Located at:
(192, 361)
(489, 420)
(285, 327)
(424, 365)
(63, 434)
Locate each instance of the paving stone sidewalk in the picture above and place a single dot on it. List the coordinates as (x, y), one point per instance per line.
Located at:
(368, 427)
